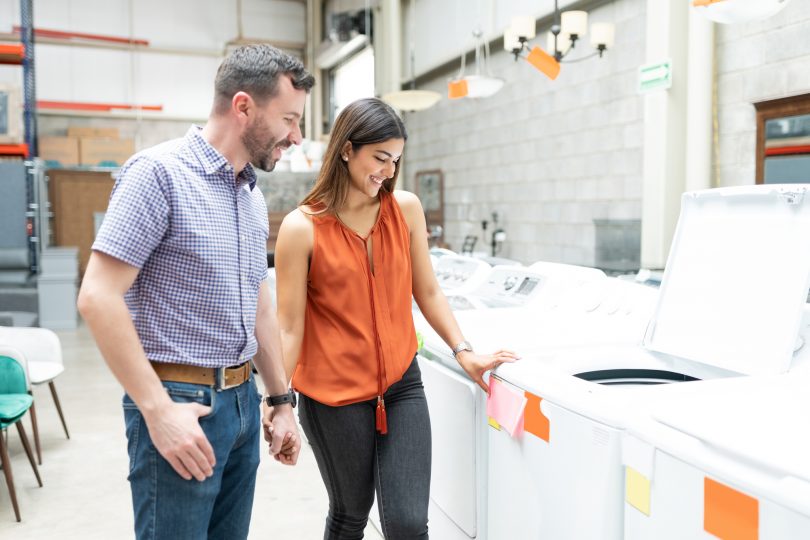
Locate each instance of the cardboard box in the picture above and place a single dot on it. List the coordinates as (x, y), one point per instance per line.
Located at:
(62, 151)
(82, 131)
(95, 151)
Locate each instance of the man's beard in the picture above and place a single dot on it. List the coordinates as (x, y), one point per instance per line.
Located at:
(260, 145)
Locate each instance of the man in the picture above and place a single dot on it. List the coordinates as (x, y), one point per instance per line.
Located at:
(175, 296)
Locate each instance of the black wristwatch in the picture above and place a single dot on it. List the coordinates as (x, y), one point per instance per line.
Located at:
(281, 399)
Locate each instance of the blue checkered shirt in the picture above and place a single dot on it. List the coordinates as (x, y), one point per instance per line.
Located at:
(199, 237)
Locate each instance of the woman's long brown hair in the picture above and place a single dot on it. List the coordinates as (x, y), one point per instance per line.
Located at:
(362, 122)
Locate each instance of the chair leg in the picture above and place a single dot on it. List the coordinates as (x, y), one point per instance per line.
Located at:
(9, 478)
(28, 452)
(58, 407)
(35, 428)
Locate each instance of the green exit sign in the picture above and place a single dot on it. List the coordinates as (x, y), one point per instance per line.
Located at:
(655, 76)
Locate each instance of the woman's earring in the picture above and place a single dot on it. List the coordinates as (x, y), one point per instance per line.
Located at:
(345, 158)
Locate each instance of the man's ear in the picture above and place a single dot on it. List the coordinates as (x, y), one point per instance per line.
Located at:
(242, 105)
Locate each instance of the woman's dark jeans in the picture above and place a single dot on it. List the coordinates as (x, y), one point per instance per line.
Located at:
(355, 460)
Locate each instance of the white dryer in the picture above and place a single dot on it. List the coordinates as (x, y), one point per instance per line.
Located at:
(731, 303)
(731, 461)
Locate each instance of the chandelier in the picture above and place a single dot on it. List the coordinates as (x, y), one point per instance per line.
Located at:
(568, 28)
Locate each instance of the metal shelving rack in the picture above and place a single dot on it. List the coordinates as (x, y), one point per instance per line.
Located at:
(33, 186)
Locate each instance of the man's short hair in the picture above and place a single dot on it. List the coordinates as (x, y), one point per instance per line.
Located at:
(255, 69)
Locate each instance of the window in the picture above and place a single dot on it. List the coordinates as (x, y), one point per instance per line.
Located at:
(783, 140)
(351, 80)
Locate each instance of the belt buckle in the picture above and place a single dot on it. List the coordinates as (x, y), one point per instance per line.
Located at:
(221, 385)
(220, 378)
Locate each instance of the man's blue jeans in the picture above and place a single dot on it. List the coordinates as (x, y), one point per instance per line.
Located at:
(166, 505)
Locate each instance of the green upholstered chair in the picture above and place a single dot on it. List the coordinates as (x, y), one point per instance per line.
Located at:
(43, 352)
(14, 403)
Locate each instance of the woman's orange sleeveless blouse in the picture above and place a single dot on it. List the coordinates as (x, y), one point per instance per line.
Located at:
(359, 336)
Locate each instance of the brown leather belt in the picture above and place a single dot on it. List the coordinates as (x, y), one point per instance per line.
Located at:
(220, 378)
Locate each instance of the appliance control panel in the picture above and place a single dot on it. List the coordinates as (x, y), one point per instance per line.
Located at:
(455, 271)
(511, 286)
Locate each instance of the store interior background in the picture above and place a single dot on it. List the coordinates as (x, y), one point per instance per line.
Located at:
(583, 169)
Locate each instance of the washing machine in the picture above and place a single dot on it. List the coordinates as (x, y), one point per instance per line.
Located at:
(455, 403)
(504, 286)
(731, 303)
(437, 253)
(499, 261)
(731, 461)
(507, 310)
(568, 271)
(456, 273)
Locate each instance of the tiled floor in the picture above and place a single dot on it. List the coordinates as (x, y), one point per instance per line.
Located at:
(85, 493)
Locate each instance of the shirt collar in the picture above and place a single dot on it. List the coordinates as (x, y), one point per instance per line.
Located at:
(213, 161)
(248, 176)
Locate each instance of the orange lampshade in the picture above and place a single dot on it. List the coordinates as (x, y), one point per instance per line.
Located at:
(457, 89)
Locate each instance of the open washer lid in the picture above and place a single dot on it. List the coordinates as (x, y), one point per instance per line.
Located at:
(736, 279)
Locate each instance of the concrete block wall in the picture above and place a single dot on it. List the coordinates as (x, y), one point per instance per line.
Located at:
(756, 61)
(549, 157)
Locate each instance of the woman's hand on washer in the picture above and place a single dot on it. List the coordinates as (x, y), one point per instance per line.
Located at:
(475, 365)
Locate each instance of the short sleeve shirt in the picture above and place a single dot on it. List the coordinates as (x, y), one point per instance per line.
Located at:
(198, 234)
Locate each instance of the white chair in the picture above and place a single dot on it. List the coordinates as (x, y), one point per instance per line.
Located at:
(43, 351)
(15, 401)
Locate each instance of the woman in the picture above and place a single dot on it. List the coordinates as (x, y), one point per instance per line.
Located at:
(348, 262)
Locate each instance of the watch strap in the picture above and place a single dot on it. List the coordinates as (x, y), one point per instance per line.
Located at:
(463, 346)
(282, 399)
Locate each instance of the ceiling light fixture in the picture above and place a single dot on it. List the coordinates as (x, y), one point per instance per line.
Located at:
(481, 84)
(738, 11)
(568, 28)
(412, 100)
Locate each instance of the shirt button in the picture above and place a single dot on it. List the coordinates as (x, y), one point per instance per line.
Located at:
(244, 238)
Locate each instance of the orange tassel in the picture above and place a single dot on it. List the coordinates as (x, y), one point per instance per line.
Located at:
(382, 420)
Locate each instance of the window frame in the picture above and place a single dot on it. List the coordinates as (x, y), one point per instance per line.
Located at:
(769, 110)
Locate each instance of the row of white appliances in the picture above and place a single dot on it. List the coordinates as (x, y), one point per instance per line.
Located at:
(471, 285)
(557, 305)
(731, 304)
